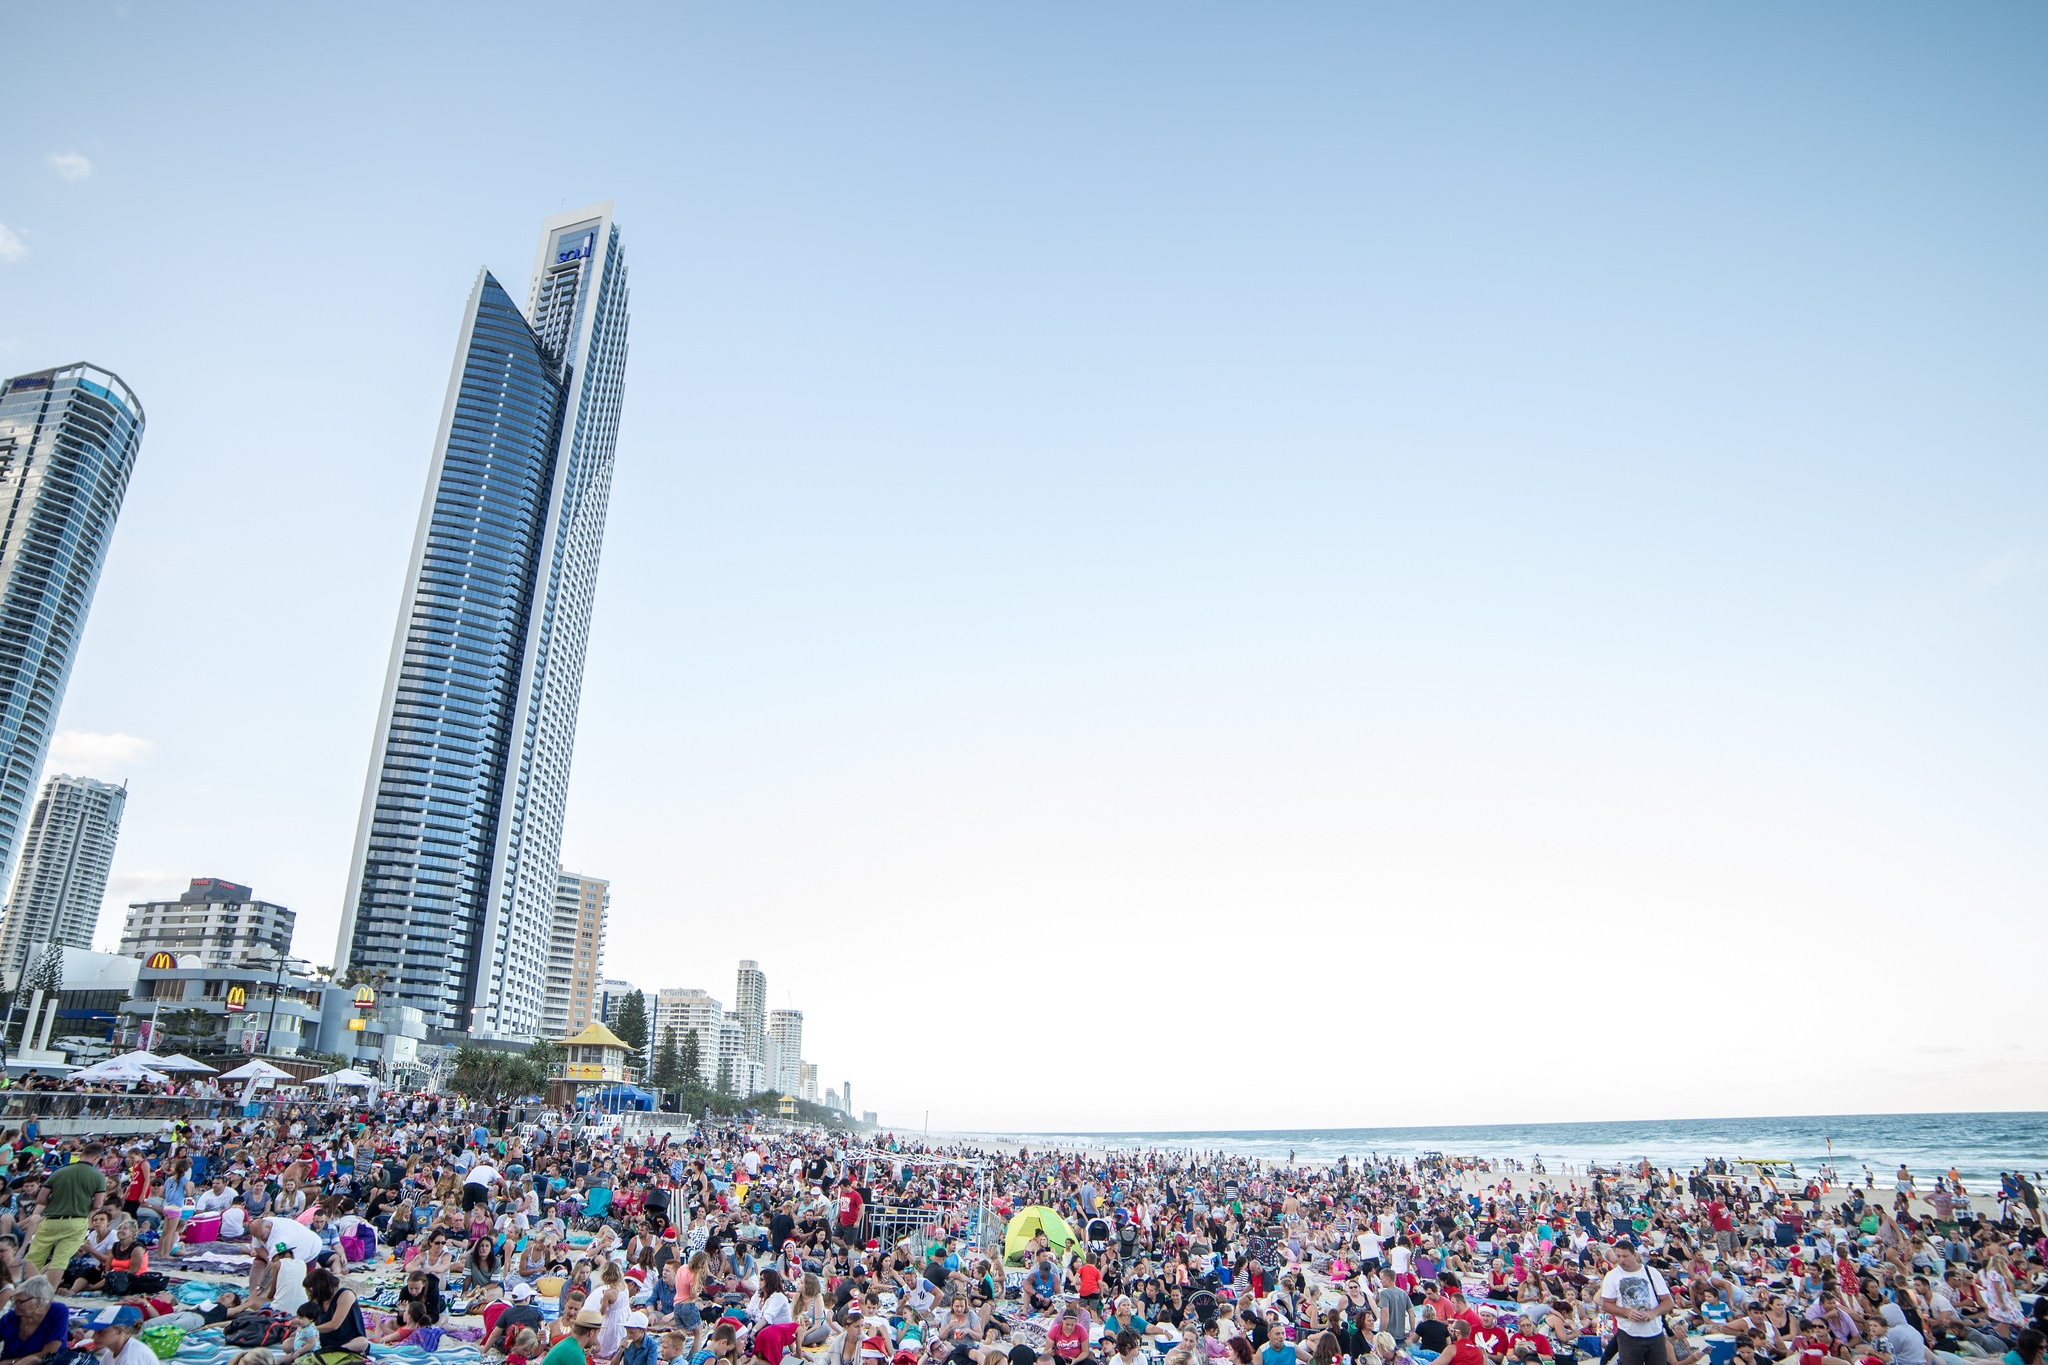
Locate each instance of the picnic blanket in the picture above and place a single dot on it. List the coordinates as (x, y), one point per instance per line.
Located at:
(208, 1348)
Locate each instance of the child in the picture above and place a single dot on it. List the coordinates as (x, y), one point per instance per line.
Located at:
(113, 1336)
(305, 1337)
(674, 1346)
(638, 1350)
(526, 1347)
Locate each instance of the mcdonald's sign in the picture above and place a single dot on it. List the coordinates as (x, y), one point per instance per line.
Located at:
(366, 999)
(161, 962)
(238, 1000)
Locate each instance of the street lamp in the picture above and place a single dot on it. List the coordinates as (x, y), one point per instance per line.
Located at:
(283, 960)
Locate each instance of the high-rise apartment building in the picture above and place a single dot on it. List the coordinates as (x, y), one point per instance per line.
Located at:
(750, 1003)
(68, 439)
(688, 1010)
(807, 1082)
(453, 878)
(741, 1073)
(219, 922)
(786, 1045)
(62, 877)
(575, 954)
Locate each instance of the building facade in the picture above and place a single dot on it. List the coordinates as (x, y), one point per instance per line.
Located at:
(68, 440)
(454, 874)
(750, 1003)
(688, 1010)
(613, 995)
(807, 1081)
(576, 954)
(786, 1045)
(217, 921)
(62, 877)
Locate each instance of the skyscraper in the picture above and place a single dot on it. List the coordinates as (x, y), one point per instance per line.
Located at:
(575, 954)
(453, 880)
(63, 873)
(68, 439)
(750, 1005)
(786, 1039)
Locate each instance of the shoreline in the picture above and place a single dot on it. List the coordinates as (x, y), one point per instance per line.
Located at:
(1979, 1147)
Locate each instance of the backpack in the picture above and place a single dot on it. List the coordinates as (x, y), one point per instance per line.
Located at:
(256, 1329)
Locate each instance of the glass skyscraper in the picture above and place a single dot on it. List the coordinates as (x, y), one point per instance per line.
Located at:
(451, 896)
(68, 439)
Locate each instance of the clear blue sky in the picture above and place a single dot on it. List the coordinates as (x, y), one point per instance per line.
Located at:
(1353, 539)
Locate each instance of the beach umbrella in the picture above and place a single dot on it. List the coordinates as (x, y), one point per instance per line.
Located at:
(120, 1070)
(174, 1062)
(345, 1076)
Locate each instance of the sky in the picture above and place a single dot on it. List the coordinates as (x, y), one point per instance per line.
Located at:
(1170, 567)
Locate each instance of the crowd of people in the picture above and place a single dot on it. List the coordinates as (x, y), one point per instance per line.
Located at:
(326, 1232)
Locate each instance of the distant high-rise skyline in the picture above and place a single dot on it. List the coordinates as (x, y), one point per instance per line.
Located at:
(62, 878)
(575, 954)
(68, 441)
(453, 881)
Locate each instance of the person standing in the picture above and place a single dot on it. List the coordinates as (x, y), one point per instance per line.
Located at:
(70, 1197)
(1637, 1297)
(850, 1211)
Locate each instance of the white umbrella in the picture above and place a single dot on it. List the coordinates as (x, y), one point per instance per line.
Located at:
(177, 1061)
(120, 1070)
(346, 1076)
(257, 1071)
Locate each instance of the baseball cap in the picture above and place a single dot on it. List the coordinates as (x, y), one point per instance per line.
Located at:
(636, 1319)
(117, 1315)
(523, 1290)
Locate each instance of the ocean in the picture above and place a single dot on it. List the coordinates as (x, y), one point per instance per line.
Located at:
(1978, 1146)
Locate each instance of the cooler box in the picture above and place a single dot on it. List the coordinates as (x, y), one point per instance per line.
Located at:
(204, 1228)
(1721, 1348)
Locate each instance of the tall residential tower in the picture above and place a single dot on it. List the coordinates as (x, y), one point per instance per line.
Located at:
(750, 1005)
(68, 439)
(576, 954)
(452, 889)
(62, 878)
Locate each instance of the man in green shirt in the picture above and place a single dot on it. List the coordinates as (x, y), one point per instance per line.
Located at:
(69, 1199)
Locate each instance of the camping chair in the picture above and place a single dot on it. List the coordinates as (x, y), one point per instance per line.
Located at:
(598, 1202)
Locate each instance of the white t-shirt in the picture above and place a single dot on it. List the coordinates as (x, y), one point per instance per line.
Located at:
(1638, 1289)
(1399, 1259)
(234, 1223)
(132, 1352)
(1368, 1246)
(483, 1173)
(304, 1242)
(290, 1290)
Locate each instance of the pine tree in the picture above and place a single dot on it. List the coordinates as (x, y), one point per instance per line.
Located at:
(691, 1062)
(725, 1075)
(46, 973)
(668, 1063)
(631, 1026)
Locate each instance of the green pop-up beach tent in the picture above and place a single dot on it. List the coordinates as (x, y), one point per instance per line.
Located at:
(1031, 1221)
